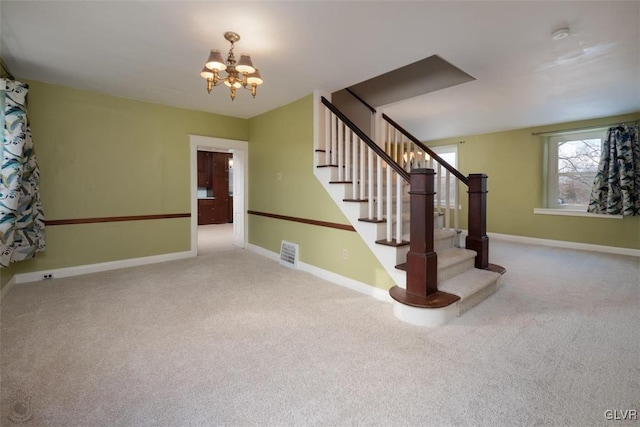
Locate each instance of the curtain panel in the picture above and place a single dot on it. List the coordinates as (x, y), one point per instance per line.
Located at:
(616, 189)
(21, 214)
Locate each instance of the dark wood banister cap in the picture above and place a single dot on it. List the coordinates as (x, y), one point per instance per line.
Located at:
(362, 101)
(423, 147)
(376, 149)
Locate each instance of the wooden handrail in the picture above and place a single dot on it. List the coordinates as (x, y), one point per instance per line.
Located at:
(426, 149)
(477, 239)
(355, 95)
(372, 145)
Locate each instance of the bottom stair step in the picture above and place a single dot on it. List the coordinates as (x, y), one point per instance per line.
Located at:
(472, 287)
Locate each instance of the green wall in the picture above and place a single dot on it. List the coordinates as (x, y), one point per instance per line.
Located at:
(281, 144)
(514, 161)
(106, 156)
(103, 156)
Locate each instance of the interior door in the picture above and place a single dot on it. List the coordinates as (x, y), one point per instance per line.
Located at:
(240, 166)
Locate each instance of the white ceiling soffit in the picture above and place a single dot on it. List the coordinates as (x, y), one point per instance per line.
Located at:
(154, 51)
(422, 77)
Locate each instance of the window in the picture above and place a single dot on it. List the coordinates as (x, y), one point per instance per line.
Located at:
(448, 153)
(573, 163)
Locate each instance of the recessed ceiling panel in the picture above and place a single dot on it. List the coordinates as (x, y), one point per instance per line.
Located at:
(421, 77)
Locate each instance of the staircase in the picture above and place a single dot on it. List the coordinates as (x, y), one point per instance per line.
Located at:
(436, 279)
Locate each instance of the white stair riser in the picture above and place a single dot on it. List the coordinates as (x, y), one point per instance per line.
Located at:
(416, 316)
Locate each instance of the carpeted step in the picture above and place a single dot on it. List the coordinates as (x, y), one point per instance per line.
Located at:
(453, 262)
(443, 239)
(472, 287)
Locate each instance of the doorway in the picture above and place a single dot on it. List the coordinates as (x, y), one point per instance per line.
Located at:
(233, 235)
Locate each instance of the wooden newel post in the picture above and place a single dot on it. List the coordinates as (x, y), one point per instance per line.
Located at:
(422, 261)
(477, 239)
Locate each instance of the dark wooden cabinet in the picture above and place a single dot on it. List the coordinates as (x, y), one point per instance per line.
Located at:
(221, 165)
(205, 166)
(213, 174)
(206, 210)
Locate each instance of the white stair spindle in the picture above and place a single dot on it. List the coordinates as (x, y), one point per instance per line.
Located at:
(439, 189)
(398, 209)
(447, 200)
(341, 129)
(363, 153)
(370, 181)
(406, 148)
(389, 206)
(348, 140)
(387, 145)
(327, 136)
(354, 162)
(406, 155)
(456, 209)
(395, 145)
(334, 142)
(379, 185)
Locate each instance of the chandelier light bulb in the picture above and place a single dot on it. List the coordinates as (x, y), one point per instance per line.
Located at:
(245, 65)
(215, 61)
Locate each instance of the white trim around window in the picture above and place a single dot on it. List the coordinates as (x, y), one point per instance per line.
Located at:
(572, 212)
(551, 170)
(445, 152)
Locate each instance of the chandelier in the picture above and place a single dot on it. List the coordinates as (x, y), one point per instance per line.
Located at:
(240, 73)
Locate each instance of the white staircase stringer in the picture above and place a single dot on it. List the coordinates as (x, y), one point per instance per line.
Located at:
(387, 255)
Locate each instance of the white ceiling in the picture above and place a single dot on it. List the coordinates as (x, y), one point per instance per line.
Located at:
(154, 51)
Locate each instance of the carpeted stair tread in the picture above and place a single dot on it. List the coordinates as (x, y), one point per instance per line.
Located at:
(442, 233)
(452, 256)
(469, 283)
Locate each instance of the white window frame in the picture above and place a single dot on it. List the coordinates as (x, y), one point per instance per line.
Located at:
(552, 164)
(446, 149)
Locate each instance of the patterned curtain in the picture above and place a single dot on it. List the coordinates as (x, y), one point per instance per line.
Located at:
(21, 215)
(616, 189)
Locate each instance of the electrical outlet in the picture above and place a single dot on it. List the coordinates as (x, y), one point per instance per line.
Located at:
(47, 276)
(345, 254)
(279, 176)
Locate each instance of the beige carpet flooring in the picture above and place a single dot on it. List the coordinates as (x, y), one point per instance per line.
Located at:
(234, 338)
(214, 238)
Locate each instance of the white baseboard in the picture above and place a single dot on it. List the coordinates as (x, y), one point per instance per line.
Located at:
(363, 288)
(262, 251)
(563, 244)
(103, 266)
(566, 245)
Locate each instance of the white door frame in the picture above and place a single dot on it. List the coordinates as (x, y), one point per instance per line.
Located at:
(240, 151)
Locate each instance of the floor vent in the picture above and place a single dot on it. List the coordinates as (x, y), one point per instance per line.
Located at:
(289, 254)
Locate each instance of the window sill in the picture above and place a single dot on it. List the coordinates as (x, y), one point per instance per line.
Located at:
(572, 212)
